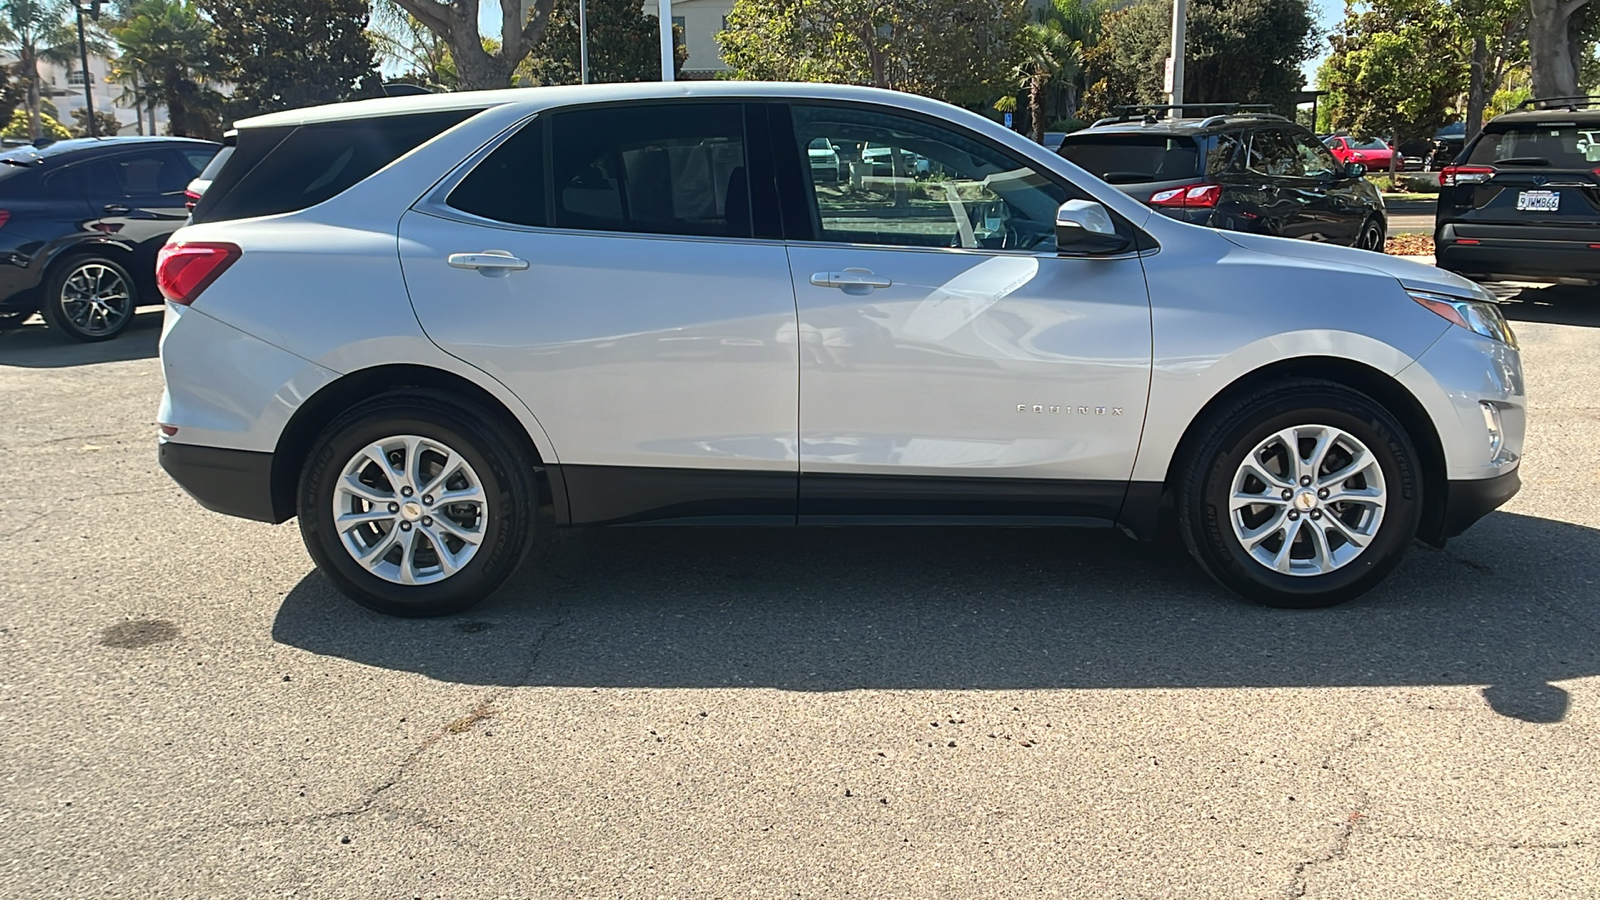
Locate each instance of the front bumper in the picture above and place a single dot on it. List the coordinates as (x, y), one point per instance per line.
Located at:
(1466, 502)
(231, 482)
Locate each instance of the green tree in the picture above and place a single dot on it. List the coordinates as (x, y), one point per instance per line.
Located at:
(35, 31)
(1246, 51)
(480, 65)
(1047, 54)
(1375, 84)
(22, 125)
(624, 45)
(954, 50)
(424, 56)
(1497, 33)
(174, 50)
(283, 54)
(1078, 21)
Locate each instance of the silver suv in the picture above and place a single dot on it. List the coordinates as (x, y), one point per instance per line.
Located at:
(414, 321)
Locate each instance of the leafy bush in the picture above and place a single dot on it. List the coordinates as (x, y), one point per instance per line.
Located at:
(20, 127)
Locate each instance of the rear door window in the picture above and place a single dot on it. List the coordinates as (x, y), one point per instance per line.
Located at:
(1556, 145)
(146, 178)
(675, 168)
(286, 169)
(1134, 158)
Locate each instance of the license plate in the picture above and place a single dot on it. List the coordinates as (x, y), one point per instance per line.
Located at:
(1541, 201)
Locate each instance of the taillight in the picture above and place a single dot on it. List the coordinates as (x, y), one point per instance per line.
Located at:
(1450, 176)
(185, 269)
(5, 216)
(1198, 196)
(190, 198)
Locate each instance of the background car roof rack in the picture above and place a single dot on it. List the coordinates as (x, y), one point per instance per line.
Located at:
(1573, 102)
(1154, 112)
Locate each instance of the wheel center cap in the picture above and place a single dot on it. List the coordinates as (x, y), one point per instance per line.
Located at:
(1305, 501)
(411, 510)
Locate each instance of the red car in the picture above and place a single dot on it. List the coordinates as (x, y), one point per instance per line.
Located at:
(1371, 152)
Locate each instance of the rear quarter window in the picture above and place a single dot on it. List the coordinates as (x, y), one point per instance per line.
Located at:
(279, 170)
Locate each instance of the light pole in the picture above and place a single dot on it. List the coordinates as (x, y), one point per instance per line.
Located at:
(1180, 17)
(668, 51)
(583, 41)
(92, 7)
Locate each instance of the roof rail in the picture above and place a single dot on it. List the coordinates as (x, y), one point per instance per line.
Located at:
(1151, 112)
(1573, 102)
(1243, 117)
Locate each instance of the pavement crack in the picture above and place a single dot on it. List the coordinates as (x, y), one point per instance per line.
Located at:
(1339, 847)
(482, 711)
(1588, 841)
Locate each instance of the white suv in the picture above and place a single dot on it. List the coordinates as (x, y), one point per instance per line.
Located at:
(413, 321)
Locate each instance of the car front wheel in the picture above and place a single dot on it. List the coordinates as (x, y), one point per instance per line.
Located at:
(1301, 495)
(416, 504)
(1371, 236)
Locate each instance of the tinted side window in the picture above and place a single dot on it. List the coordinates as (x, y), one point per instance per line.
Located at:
(285, 170)
(70, 182)
(138, 176)
(1221, 158)
(1132, 158)
(1271, 153)
(508, 185)
(670, 169)
(198, 159)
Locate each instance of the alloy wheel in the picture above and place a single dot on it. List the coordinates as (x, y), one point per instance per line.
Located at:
(1307, 500)
(96, 299)
(410, 510)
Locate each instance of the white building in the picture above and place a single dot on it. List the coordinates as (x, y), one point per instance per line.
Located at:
(63, 86)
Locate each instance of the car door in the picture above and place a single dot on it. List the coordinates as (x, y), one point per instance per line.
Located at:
(1287, 202)
(951, 361)
(1332, 199)
(138, 198)
(602, 263)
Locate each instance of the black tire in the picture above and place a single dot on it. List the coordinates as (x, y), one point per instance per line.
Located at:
(1371, 236)
(1235, 431)
(487, 445)
(80, 320)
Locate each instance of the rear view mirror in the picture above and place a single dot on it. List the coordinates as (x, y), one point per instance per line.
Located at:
(1084, 227)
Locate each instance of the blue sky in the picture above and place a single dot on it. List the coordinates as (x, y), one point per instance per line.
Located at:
(1328, 13)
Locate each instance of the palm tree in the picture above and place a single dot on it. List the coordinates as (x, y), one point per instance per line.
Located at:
(1078, 21)
(168, 50)
(1047, 53)
(37, 30)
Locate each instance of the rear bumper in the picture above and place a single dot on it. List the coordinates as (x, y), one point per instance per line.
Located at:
(231, 482)
(1525, 260)
(1468, 501)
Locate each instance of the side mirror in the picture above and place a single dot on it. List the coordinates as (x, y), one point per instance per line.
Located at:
(1354, 170)
(1083, 226)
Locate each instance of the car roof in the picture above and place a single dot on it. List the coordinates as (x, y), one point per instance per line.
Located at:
(1521, 116)
(536, 98)
(31, 155)
(1185, 126)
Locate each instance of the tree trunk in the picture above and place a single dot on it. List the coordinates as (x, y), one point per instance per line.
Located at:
(1549, 50)
(1036, 86)
(177, 110)
(30, 65)
(479, 71)
(1477, 86)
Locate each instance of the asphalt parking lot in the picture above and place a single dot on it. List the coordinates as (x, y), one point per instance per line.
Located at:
(189, 710)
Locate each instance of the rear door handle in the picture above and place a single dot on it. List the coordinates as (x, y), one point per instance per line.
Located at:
(493, 263)
(116, 209)
(851, 281)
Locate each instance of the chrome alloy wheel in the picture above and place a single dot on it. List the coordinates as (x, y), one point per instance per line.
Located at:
(1307, 500)
(410, 510)
(96, 299)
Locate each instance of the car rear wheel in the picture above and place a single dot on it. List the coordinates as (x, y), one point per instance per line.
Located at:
(416, 504)
(1371, 237)
(90, 298)
(1301, 495)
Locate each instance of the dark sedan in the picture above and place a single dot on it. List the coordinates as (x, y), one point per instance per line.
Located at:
(80, 223)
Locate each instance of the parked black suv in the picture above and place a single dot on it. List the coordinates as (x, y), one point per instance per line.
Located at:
(80, 224)
(1522, 202)
(1241, 169)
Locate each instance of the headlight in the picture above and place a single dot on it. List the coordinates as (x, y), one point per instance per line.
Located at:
(1479, 316)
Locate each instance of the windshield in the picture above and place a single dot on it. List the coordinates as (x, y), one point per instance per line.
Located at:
(1368, 144)
(1133, 158)
(1560, 145)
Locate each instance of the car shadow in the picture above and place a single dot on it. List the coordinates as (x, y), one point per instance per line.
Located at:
(990, 609)
(35, 345)
(1554, 304)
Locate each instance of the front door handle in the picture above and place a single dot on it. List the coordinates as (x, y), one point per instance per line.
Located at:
(493, 263)
(851, 281)
(116, 209)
